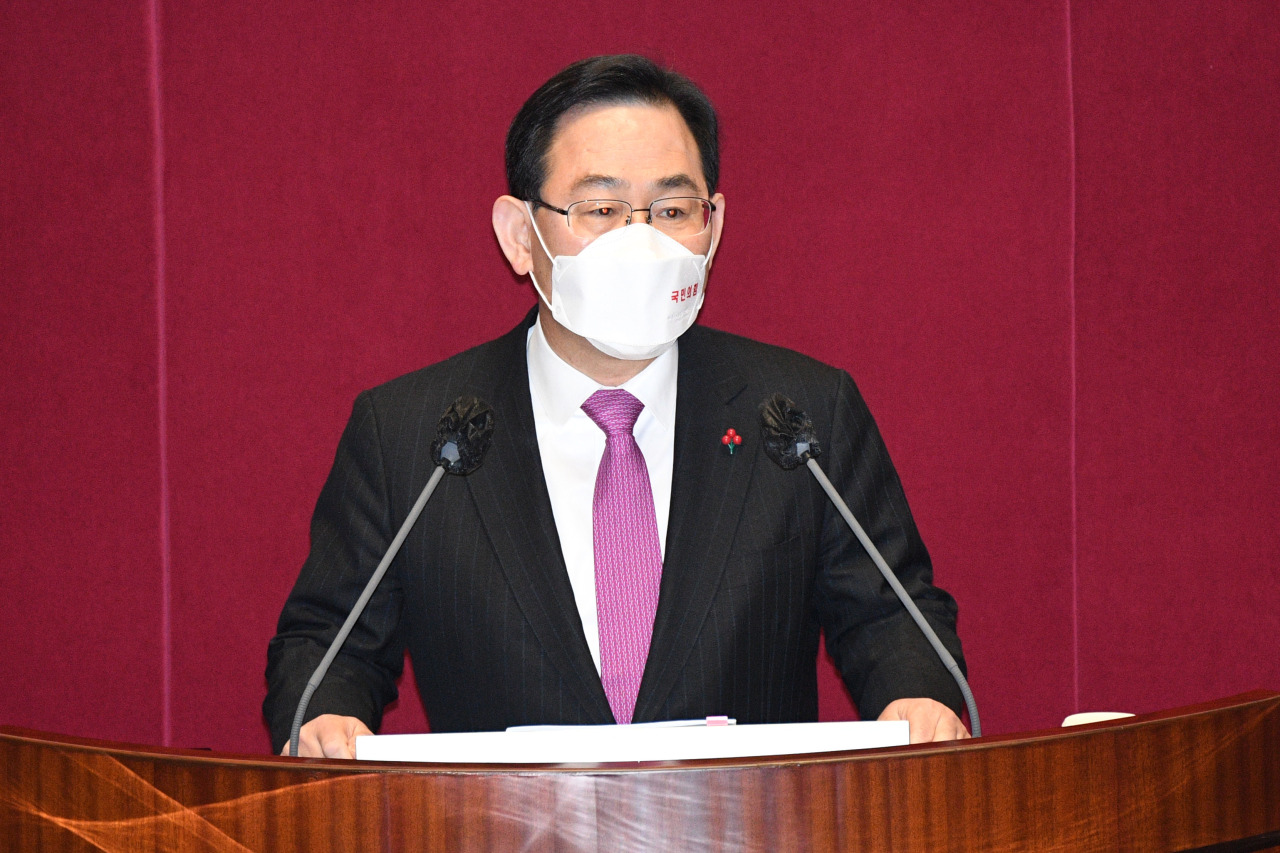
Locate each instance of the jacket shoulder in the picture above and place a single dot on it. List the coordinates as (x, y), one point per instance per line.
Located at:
(477, 371)
(756, 361)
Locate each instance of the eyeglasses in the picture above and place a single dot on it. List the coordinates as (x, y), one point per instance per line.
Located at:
(679, 216)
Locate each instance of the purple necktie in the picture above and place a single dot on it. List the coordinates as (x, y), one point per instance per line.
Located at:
(628, 556)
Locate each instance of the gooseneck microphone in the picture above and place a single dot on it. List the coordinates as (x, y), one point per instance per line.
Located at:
(789, 440)
(462, 438)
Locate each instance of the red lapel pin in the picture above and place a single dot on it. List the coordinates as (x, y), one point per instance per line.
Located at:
(731, 439)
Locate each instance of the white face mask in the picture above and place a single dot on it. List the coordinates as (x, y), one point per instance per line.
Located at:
(631, 292)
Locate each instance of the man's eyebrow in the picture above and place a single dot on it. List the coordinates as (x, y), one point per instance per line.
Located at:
(677, 182)
(605, 182)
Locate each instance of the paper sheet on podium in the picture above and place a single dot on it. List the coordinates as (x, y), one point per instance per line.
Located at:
(607, 744)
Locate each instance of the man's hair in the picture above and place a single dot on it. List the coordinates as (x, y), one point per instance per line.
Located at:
(623, 79)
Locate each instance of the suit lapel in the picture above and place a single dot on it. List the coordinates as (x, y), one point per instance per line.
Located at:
(515, 510)
(708, 489)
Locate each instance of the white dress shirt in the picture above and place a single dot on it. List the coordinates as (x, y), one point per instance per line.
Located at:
(571, 446)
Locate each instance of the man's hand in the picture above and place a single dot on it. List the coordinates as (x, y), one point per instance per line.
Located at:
(929, 720)
(329, 736)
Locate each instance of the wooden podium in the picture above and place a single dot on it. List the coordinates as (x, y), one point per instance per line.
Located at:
(1203, 777)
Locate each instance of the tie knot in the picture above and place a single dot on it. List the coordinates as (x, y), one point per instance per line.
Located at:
(614, 411)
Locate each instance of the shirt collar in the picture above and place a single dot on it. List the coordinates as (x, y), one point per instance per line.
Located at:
(560, 390)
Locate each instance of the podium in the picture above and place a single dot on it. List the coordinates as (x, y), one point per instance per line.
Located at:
(1206, 777)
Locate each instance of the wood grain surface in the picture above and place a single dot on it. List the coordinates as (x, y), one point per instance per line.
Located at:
(1207, 776)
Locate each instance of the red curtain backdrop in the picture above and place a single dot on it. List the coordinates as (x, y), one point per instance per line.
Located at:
(1043, 238)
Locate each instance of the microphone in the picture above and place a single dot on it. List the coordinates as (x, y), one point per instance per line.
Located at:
(462, 438)
(789, 440)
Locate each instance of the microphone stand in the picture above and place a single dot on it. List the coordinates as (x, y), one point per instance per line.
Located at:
(462, 438)
(788, 440)
(947, 660)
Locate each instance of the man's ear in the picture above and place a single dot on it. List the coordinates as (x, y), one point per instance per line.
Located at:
(511, 225)
(717, 227)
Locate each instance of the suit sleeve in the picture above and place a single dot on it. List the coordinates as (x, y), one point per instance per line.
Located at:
(877, 647)
(350, 531)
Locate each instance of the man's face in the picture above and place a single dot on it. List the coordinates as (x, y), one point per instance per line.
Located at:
(633, 152)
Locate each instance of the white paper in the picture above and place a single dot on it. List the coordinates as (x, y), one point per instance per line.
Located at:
(609, 744)
(657, 724)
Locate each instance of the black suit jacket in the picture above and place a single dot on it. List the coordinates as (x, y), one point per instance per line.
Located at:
(757, 561)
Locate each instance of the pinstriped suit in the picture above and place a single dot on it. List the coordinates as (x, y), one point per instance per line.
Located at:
(756, 561)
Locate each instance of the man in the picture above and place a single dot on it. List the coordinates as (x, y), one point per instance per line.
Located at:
(615, 557)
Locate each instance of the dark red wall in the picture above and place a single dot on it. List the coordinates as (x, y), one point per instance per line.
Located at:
(82, 633)
(1178, 340)
(1043, 238)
